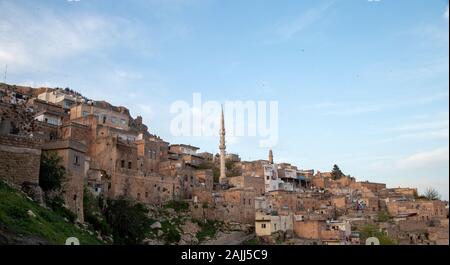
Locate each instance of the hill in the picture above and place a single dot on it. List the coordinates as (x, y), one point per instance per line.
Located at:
(23, 221)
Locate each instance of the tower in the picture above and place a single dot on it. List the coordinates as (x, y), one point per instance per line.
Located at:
(270, 156)
(223, 177)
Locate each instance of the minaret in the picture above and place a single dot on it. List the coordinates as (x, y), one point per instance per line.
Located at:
(270, 157)
(223, 177)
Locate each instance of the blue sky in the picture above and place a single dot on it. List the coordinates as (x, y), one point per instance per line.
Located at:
(363, 84)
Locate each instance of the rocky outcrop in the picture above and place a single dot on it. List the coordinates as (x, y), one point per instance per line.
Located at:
(34, 191)
(9, 238)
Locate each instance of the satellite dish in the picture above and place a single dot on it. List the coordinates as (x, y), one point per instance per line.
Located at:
(372, 241)
(72, 241)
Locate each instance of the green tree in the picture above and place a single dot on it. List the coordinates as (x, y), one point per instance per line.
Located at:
(336, 173)
(51, 173)
(383, 216)
(432, 194)
(178, 206)
(93, 213)
(51, 177)
(372, 231)
(129, 221)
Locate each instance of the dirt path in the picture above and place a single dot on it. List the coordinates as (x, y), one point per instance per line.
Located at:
(233, 238)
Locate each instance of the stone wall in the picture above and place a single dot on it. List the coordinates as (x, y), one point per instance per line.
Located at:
(19, 159)
(308, 229)
(249, 182)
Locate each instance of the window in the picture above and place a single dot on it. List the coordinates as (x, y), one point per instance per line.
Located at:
(129, 165)
(67, 104)
(122, 163)
(76, 160)
(263, 225)
(85, 113)
(104, 119)
(75, 197)
(114, 120)
(123, 122)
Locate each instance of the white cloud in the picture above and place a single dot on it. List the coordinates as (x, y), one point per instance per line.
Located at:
(300, 23)
(420, 126)
(356, 109)
(37, 83)
(424, 135)
(147, 109)
(446, 13)
(38, 38)
(427, 159)
(122, 75)
(432, 33)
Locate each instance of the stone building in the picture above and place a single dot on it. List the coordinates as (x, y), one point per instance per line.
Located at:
(59, 97)
(372, 186)
(73, 155)
(116, 117)
(422, 210)
(256, 183)
(240, 205)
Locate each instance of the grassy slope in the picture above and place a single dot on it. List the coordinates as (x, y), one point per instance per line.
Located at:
(46, 224)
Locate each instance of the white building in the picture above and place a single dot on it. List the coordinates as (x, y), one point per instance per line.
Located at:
(266, 225)
(60, 98)
(342, 226)
(49, 117)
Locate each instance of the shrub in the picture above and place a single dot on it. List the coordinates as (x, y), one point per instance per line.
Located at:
(253, 241)
(128, 221)
(93, 214)
(383, 216)
(178, 206)
(57, 205)
(207, 229)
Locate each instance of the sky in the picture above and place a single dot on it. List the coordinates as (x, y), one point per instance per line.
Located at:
(359, 83)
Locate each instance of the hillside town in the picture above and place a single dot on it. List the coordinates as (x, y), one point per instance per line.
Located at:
(110, 154)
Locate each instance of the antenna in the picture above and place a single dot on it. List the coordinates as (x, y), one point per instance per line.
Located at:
(6, 71)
